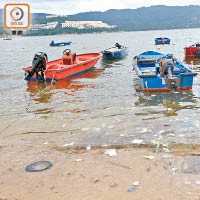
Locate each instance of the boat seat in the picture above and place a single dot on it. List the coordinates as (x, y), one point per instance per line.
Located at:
(148, 69)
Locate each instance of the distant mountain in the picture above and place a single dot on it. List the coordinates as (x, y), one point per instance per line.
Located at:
(147, 18)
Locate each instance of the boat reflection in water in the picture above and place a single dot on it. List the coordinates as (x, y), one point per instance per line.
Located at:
(193, 62)
(173, 102)
(41, 92)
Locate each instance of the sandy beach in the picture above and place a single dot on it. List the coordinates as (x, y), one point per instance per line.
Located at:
(91, 174)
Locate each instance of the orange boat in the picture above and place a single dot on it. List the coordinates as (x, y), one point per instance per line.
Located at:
(68, 66)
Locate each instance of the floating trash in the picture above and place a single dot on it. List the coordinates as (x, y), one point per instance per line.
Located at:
(162, 131)
(97, 129)
(144, 130)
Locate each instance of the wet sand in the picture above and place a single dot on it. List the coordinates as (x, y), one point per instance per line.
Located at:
(163, 177)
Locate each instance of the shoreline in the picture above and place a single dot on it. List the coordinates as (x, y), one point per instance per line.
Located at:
(122, 31)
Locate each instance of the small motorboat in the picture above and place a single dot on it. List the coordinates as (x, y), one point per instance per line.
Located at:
(162, 73)
(118, 51)
(68, 66)
(193, 50)
(53, 44)
(162, 41)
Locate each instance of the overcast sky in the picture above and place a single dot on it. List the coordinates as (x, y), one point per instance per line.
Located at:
(74, 6)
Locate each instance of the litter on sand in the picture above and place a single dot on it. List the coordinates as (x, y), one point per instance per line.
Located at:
(197, 182)
(68, 145)
(167, 156)
(111, 152)
(174, 170)
(88, 147)
(187, 182)
(38, 166)
(120, 165)
(132, 189)
(136, 183)
(113, 185)
(149, 157)
(78, 160)
(45, 143)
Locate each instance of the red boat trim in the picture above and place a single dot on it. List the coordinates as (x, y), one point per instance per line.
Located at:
(165, 89)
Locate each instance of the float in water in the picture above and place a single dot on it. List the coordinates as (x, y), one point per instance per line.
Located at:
(162, 73)
(68, 66)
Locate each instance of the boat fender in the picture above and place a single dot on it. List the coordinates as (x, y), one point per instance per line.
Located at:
(38, 66)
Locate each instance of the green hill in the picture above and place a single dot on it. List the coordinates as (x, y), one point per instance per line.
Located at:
(147, 18)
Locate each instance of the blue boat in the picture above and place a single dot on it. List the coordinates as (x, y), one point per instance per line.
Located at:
(118, 51)
(162, 72)
(52, 44)
(162, 41)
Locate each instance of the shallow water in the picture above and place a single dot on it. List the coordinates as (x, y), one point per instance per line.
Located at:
(103, 106)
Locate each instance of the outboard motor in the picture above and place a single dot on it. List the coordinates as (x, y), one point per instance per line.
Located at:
(38, 66)
(118, 45)
(168, 68)
(167, 71)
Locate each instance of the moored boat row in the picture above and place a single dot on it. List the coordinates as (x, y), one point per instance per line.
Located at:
(157, 72)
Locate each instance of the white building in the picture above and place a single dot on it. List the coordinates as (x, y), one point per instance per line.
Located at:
(50, 25)
(54, 16)
(85, 24)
